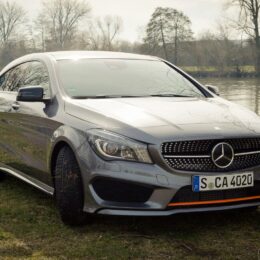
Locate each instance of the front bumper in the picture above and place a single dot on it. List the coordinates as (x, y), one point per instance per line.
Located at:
(164, 183)
(154, 213)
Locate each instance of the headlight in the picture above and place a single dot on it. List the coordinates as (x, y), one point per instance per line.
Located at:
(111, 146)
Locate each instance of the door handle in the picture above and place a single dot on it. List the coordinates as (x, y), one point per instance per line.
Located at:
(15, 106)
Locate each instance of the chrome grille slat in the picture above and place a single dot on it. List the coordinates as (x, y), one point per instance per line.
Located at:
(196, 155)
(187, 156)
(247, 153)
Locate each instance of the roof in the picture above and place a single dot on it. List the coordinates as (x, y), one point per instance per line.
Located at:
(61, 55)
(66, 55)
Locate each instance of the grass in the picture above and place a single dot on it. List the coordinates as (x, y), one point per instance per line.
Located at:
(210, 69)
(30, 228)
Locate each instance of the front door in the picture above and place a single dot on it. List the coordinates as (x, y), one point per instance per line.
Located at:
(27, 126)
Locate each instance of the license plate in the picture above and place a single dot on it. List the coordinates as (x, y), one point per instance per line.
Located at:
(222, 182)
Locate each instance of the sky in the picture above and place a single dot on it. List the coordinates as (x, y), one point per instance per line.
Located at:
(204, 14)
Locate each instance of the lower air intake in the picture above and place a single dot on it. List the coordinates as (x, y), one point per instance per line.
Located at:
(121, 191)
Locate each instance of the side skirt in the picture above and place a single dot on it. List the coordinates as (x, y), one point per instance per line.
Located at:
(33, 182)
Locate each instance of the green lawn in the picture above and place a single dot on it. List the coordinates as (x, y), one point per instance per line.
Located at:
(30, 228)
(209, 69)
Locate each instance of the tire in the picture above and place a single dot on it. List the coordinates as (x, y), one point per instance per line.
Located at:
(68, 188)
(250, 209)
(246, 210)
(2, 176)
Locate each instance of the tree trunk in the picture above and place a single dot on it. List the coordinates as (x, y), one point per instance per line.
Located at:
(257, 45)
(255, 11)
(163, 41)
(176, 51)
(257, 66)
(176, 46)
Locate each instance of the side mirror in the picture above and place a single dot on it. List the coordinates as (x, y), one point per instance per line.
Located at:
(30, 94)
(213, 89)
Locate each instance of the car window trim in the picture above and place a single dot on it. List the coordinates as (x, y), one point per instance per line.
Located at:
(190, 79)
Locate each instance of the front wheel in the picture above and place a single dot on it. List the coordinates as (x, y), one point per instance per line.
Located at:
(250, 209)
(2, 176)
(69, 188)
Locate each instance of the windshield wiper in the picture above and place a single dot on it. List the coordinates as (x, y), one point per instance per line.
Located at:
(168, 95)
(129, 96)
(106, 96)
(99, 96)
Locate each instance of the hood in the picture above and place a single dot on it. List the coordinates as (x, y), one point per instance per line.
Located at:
(167, 117)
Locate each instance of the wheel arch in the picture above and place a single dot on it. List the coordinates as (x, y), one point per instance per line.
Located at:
(54, 151)
(64, 135)
(54, 154)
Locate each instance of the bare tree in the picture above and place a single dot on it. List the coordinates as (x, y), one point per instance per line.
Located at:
(93, 37)
(180, 24)
(60, 19)
(166, 28)
(157, 30)
(249, 22)
(40, 31)
(102, 33)
(11, 16)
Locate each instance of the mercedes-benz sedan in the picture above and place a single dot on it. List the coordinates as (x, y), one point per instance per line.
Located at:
(125, 134)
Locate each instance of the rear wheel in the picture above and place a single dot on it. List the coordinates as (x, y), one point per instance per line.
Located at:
(69, 188)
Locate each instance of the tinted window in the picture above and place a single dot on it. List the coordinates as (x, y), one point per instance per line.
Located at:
(35, 74)
(11, 79)
(92, 77)
(27, 74)
(2, 82)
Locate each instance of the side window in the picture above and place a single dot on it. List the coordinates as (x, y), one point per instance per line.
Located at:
(11, 80)
(35, 74)
(27, 74)
(2, 81)
(14, 79)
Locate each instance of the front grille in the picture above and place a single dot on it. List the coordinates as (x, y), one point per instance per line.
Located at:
(196, 155)
(185, 194)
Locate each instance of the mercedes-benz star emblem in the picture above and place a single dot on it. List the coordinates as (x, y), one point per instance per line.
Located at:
(222, 155)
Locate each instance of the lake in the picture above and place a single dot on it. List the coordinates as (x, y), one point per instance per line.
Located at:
(245, 92)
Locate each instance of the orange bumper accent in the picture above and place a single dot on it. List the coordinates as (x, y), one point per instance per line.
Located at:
(208, 202)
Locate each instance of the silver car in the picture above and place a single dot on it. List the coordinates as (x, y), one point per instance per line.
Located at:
(125, 134)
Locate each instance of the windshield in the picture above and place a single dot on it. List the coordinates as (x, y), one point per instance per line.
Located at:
(87, 78)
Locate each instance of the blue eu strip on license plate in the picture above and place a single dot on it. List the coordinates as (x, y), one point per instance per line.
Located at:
(196, 183)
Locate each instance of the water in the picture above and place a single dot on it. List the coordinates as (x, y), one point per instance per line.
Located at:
(245, 92)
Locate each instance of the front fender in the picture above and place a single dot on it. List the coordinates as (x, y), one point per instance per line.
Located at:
(71, 136)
